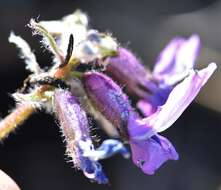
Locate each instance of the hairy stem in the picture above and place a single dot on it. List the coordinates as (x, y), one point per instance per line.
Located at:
(15, 118)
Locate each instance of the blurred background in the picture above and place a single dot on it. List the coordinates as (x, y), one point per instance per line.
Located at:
(34, 154)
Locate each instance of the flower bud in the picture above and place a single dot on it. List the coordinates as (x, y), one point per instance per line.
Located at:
(127, 70)
(75, 128)
(108, 98)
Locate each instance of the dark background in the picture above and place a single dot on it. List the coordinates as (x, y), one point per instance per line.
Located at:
(34, 154)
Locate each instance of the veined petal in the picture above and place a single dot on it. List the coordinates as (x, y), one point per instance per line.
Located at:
(151, 153)
(176, 60)
(180, 98)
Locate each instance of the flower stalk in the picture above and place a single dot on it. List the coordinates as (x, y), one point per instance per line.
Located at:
(15, 118)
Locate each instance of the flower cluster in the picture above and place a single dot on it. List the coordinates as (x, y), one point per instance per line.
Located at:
(92, 76)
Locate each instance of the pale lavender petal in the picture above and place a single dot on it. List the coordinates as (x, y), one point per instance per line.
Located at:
(151, 153)
(180, 98)
(187, 54)
(176, 60)
(166, 59)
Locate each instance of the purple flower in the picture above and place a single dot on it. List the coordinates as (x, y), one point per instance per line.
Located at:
(75, 128)
(108, 98)
(149, 150)
(152, 90)
(179, 99)
(127, 70)
(174, 64)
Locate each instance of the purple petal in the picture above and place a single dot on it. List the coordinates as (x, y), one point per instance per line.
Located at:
(176, 60)
(151, 153)
(180, 98)
(138, 129)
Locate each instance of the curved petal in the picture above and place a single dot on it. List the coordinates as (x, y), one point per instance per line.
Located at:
(176, 60)
(180, 98)
(151, 153)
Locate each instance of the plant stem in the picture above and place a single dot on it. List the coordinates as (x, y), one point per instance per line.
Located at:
(15, 118)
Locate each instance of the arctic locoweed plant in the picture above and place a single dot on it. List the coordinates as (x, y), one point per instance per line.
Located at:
(89, 69)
